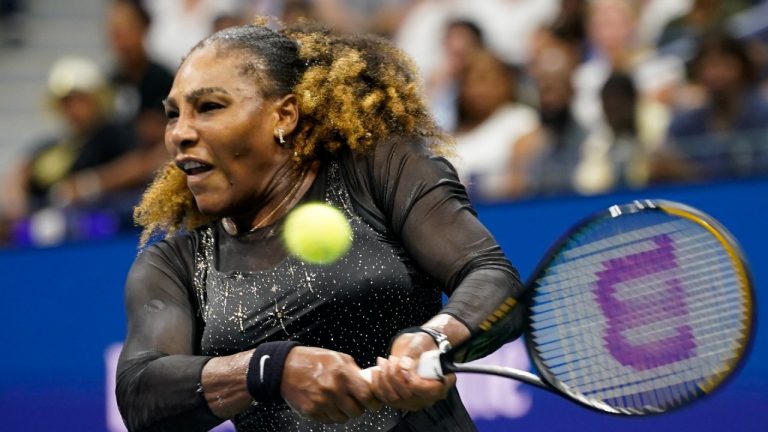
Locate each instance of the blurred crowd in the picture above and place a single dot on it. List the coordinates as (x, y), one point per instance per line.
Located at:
(544, 97)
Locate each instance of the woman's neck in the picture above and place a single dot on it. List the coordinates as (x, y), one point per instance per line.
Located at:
(286, 189)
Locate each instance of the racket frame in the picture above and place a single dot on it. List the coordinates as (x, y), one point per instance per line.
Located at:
(437, 365)
(711, 225)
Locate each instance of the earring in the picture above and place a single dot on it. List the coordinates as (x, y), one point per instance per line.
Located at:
(280, 135)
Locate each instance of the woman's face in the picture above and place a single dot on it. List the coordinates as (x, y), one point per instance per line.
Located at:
(720, 72)
(221, 132)
(459, 44)
(611, 26)
(82, 111)
(486, 86)
(126, 33)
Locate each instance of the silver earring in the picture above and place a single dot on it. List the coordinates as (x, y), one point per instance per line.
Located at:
(280, 135)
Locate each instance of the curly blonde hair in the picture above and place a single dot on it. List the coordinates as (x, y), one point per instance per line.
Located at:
(352, 91)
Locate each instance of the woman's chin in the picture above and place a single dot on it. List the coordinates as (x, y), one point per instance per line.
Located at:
(210, 208)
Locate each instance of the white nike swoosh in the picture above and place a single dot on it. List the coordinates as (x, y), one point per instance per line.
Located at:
(263, 360)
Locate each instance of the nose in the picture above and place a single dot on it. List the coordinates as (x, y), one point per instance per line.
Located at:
(182, 132)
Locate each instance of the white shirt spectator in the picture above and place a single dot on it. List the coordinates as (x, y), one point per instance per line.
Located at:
(177, 25)
(484, 154)
(507, 26)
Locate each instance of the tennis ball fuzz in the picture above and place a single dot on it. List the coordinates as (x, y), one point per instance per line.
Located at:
(317, 233)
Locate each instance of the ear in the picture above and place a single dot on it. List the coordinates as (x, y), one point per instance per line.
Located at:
(287, 112)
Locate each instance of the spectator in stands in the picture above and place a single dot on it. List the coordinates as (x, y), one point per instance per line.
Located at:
(140, 84)
(507, 27)
(548, 165)
(461, 40)
(490, 125)
(654, 15)
(614, 156)
(726, 135)
(570, 22)
(614, 47)
(611, 46)
(610, 26)
(67, 169)
(177, 25)
(679, 36)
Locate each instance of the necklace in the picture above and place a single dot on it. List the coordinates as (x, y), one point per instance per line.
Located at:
(230, 226)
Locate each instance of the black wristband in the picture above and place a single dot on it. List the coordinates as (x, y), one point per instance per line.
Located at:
(265, 371)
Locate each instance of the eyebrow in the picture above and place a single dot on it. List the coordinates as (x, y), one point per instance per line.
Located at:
(196, 93)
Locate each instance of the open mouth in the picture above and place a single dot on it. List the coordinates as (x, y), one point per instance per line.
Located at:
(193, 167)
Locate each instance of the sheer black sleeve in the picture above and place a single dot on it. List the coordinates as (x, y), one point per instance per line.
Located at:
(418, 199)
(158, 371)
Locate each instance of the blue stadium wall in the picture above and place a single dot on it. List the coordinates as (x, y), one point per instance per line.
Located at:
(61, 314)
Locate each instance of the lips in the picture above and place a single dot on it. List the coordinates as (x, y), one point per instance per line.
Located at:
(193, 167)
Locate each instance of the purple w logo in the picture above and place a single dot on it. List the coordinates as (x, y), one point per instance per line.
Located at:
(665, 308)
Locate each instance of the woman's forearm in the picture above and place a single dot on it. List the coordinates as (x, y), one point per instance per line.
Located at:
(160, 392)
(225, 386)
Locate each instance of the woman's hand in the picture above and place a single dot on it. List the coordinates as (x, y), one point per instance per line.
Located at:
(325, 385)
(395, 381)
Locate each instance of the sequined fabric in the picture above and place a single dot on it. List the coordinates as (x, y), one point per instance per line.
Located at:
(354, 305)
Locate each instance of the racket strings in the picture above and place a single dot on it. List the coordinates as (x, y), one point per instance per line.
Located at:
(586, 379)
(651, 335)
(620, 239)
(552, 355)
(568, 269)
(660, 334)
(586, 320)
(565, 285)
(551, 303)
(705, 314)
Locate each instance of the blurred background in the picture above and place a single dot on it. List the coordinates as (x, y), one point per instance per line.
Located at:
(559, 108)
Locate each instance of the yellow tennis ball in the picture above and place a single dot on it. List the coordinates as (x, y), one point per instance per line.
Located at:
(317, 233)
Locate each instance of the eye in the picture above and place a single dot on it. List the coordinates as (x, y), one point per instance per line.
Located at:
(171, 114)
(209, 106)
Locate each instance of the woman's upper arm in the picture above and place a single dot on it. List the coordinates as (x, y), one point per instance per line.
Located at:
(161, 317)
(159, 370)
(430, 213)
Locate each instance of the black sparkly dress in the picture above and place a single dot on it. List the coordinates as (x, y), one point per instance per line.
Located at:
(226, 294)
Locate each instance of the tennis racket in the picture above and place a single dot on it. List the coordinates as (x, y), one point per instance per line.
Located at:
(639, 309)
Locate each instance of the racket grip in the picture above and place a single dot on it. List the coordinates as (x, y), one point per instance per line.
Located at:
(430, 366)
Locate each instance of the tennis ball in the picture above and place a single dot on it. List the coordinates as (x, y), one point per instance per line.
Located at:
(317, 233)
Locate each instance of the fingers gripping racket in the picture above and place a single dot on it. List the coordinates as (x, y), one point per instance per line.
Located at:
(638, 309)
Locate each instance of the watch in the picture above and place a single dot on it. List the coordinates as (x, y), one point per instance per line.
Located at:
(443, 344)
